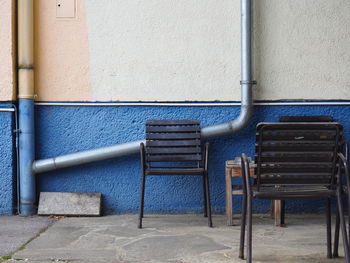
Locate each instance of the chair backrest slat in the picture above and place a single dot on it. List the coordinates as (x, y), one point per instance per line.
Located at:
(290, 146)
(174, 158)
(177, 150)
(306, 118)
(300, 134)
(172, 136)
(171, 143)
(171, 122)
(295, 156)
(297, 153)
(179, 129)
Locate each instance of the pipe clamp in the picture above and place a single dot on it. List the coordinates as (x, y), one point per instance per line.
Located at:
(25, 67)
(251, 82)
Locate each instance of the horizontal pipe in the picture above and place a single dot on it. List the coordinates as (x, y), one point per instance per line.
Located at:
(7, 109)
(86, 156)
(194, 104)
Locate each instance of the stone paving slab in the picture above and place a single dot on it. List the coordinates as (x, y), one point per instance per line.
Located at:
(59, 203)
(15, 231)
(177, 239)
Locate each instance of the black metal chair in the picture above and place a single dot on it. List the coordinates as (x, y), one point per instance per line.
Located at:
(295, 161)
(300, 119)
(173, 147)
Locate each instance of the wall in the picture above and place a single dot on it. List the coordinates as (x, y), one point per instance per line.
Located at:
(61, 54)
(7, 93)
(190, 50)
(76, 128)
(7, 50)
(167, 50)
(301, 50)
(7, 163)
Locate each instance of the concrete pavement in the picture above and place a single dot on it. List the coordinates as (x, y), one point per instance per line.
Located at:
(15, 231)
(176, 239)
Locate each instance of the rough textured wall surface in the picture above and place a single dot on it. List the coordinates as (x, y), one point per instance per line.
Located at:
(189, 50)
(7, 165)
(301, 49)
(7, 51)
(62, 130)
(163, 50)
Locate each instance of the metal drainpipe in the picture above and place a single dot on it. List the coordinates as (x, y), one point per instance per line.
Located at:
(26, 106)
(246, 83)
(211, 131)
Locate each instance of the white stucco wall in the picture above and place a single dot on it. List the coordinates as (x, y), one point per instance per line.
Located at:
(302, 49)
(190, 49)
(163, 49)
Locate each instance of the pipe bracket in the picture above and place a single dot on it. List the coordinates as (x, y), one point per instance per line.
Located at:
(25, 67)
(248, 82)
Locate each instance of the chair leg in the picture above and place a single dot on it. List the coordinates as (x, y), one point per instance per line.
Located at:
(249, 230)
(142, 199)
(210, 223)
(336, 236)
(348, 196)
(205, 198)
(329, 228)
(243, 223)
(283, 212)
(343, 227)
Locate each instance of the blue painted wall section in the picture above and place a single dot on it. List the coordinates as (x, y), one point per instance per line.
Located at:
(67, 129)
(7, 163)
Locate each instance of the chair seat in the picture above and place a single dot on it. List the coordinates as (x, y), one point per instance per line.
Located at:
(174, 171)
(292, 192)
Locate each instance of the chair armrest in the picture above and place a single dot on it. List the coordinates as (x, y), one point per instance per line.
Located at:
(343, 162)
(245, 174)
(206, 156)
(346, 148)
(143, 154)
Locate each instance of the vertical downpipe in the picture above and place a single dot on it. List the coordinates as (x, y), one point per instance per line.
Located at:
(246, 80)
(26, 106)
(246, 55)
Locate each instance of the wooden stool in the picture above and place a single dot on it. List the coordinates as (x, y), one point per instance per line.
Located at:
(233, 169)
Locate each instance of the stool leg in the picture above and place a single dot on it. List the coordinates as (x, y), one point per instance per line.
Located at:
(229, 197)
